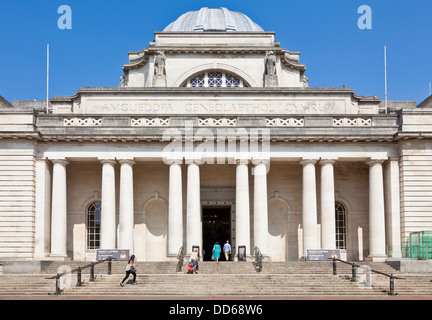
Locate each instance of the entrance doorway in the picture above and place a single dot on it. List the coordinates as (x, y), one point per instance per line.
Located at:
(216, 227)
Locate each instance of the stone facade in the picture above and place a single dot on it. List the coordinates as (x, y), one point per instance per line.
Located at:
(277, 157)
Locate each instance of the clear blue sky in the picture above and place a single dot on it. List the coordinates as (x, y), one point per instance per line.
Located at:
(336, 52)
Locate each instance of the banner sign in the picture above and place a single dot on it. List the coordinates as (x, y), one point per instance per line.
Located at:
(322, 255)
(117, 254)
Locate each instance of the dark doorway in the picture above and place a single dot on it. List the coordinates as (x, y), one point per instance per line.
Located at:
(216, 227)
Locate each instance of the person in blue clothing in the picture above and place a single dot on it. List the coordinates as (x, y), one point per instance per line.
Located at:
(216, 251)
(227, 250)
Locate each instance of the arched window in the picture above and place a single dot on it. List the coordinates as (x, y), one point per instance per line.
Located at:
(214, 79)
(93, 225)
(340, 220)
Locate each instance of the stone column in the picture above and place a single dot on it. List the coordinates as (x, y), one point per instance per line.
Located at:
(108, 205)
(193, 208)
(377, 249)
(59, 210)
(242, 223)
(175, 209)
(328, 227)
(43, 180)
(309, 206)
(261, 208)
(392, 206)
(126, 205)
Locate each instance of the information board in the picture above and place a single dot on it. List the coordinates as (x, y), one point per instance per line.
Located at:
(117, 254)
(322, 255)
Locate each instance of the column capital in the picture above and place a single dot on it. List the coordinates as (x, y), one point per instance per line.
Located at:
(108, 161)
(324, 161)
(258, 161)
(126, 161)
(372, 162)
(242, 161)
(63, 162)
(177, 161)
(304, 162)
(194, 161)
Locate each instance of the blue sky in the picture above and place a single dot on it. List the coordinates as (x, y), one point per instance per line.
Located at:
(336, 52)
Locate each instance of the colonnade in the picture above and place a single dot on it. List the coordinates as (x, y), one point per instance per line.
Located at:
(243, 218)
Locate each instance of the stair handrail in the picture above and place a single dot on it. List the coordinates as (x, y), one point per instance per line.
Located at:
(354, 273)
(180, 257)
(258, 259)
(78, 271)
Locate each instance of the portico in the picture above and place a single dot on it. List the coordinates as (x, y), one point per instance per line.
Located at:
(249, 192)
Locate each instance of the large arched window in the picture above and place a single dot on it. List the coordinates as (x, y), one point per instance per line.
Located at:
(93, 225)
(340, 220)
(215, 79)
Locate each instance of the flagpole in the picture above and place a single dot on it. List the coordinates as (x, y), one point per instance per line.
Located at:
(47, 92)
(385, 76)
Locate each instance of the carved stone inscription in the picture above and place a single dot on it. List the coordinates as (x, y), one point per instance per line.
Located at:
(197, 107)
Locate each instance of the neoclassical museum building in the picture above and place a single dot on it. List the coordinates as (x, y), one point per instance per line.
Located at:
(213, 134)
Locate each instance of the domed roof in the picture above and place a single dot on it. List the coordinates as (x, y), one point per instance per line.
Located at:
(207, 19)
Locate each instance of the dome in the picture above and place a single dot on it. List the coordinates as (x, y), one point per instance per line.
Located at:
(207, 19)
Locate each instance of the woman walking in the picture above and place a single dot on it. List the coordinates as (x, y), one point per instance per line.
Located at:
(216, 251)
(130, 269)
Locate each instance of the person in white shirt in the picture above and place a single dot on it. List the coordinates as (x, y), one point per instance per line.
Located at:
(194, 259)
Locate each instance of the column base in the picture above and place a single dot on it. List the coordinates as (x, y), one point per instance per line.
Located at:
(59, 257)
(376, 258)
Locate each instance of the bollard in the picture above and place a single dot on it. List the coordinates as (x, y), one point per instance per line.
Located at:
(79, 282)
(109, 266)
(354, 275)
(92, 277)
(391, 285)
(334, 267)
(58, 291)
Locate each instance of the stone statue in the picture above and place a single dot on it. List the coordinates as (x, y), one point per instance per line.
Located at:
(159, 64)
(270, 64)
(124, 80)
(159, 77)
(304, 80)
(270, 76)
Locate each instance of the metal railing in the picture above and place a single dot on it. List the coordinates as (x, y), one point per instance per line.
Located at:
(78, 271)
(354, 273)
(258, 259)
(180, 257)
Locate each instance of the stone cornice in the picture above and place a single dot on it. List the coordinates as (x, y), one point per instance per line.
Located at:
(212, 91)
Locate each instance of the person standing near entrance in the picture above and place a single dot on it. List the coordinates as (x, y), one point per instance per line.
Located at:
(216, 251)
(227, 250)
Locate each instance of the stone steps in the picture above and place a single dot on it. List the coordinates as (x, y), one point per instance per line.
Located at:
(204, 284)
(219, 278)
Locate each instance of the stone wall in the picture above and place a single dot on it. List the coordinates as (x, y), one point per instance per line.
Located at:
(416, 186)
(17, 200)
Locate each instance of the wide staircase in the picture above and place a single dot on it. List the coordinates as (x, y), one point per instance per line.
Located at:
(217, 279)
